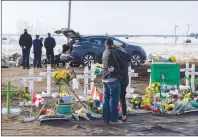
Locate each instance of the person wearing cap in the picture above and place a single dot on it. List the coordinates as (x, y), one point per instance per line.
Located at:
(37, 45)
(25, 43)
(50, 44)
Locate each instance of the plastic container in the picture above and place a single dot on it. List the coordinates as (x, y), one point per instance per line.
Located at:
(63, 109)
(194, 103)
(67, 99)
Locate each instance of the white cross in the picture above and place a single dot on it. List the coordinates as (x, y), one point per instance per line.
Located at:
(49, 74)
(193, 74)
(130, 90)
(87, 75)
(30, 79)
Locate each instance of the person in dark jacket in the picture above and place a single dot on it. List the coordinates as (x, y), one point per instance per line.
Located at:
(49, 44)
(37, 44)
(25, 42)
(41, 39)
(125, 59)
(111, 81)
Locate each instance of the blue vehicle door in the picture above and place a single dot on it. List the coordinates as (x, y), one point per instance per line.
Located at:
(98, 45)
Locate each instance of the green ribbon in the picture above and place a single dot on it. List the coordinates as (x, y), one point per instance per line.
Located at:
(161, 97)
(187, 78)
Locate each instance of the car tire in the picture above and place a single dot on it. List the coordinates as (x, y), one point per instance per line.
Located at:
(136, 59)
(88, 57)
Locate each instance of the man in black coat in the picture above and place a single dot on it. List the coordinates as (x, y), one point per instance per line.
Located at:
(25, 42)
(50, 44)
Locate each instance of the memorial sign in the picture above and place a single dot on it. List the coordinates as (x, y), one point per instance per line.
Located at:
(168, 74)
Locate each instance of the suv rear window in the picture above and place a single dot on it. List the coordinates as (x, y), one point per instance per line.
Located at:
(83, 40)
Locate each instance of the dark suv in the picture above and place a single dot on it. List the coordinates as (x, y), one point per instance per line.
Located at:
(82, 49)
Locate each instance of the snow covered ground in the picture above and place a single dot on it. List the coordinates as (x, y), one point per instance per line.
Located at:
(165, 47)
(153, 45)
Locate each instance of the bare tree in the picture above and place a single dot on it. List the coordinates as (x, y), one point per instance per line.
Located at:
(37, 29)
(21, 25)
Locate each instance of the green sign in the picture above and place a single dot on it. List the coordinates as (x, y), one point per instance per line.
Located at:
(167, 73)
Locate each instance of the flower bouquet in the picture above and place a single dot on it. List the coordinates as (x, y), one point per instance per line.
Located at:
(136, 102)
(62, 76)
(146, 102)
(172, 59)
(155, 87)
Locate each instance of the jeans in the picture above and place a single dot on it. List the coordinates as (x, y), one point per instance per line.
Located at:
(26, 55)
(37, 60)
(50, 56)
(111, 100)
(123, 98)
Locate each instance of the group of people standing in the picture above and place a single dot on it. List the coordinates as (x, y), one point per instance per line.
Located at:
(115, 80)
(26, 43)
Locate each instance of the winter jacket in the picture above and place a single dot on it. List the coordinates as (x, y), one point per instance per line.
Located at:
(25, 40)
(37, 44)
(49, 43)
(123, 58)
(108, 60)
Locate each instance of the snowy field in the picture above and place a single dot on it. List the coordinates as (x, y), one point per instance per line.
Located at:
(153, 45)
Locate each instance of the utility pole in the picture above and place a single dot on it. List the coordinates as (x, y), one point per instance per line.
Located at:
(176, 33)
(188, 29)
(69, 17)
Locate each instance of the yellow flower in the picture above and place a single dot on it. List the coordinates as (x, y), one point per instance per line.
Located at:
(58, 76)
(153, 85)
(90, 100)
(173, 58)
(130, 110)
(63, 76)
(147, 90)
(156, 89)
(146, 96)
(136, 102)
(156, 57)
(169, 106)
(158, 84)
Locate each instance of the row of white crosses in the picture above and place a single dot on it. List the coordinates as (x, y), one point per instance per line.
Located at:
(90, 74)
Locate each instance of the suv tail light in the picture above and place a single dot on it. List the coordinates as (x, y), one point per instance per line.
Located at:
(76, 45)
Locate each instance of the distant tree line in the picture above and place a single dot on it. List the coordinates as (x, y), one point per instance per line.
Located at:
(193, 35)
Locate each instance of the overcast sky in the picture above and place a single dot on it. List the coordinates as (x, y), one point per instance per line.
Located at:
(99, 17)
